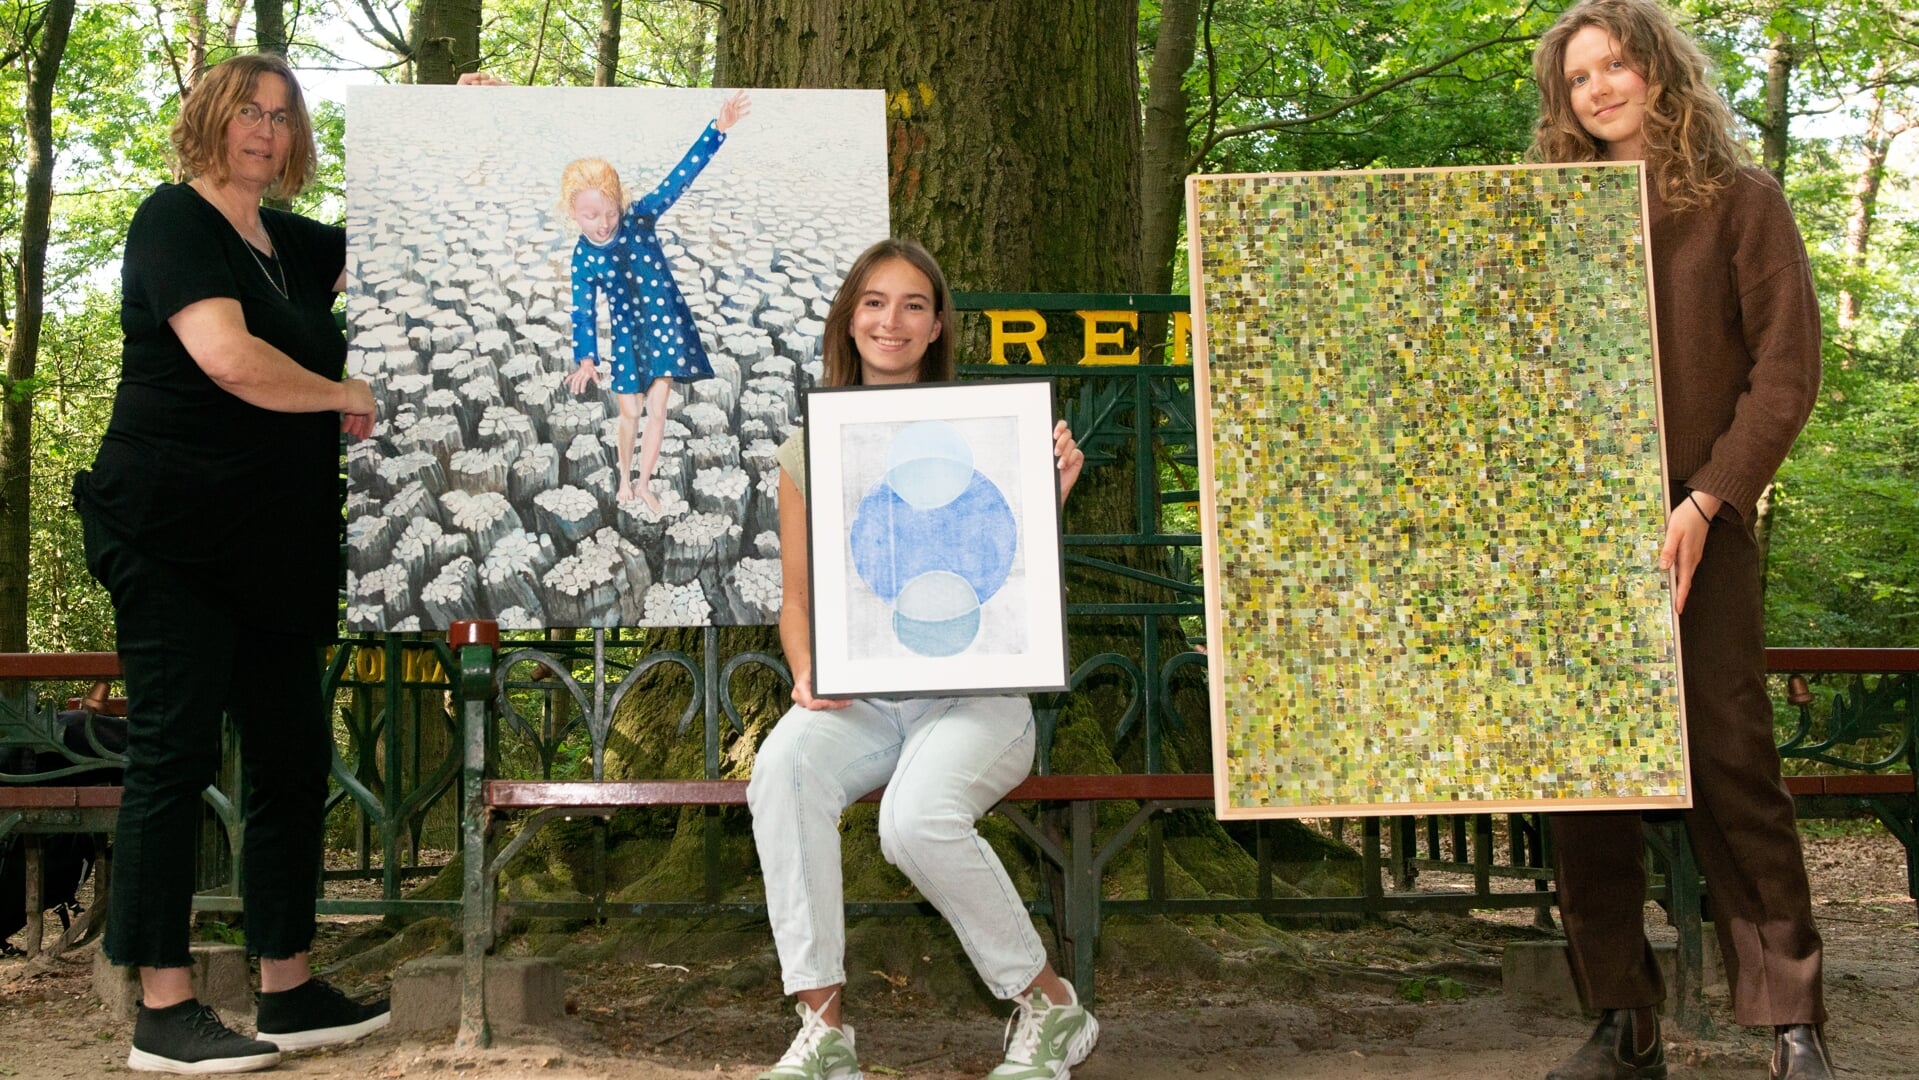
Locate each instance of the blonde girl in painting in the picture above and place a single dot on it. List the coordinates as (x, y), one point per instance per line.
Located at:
(619, 259)
(1739, 370)
(943, 761)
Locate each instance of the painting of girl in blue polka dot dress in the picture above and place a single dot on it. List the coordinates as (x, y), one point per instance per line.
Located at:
(619, 261)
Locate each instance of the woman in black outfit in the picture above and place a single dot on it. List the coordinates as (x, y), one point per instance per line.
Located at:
(212, 517)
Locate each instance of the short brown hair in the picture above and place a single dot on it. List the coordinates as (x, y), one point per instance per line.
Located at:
(1692, 152)
(199, 134)
(840, 358)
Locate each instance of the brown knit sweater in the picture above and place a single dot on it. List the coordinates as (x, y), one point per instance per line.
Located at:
(1738, 337)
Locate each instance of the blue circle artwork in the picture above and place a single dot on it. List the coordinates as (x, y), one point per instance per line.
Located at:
(903, 539)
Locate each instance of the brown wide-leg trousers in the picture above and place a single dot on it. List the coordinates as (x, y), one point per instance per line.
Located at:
(1741, 825)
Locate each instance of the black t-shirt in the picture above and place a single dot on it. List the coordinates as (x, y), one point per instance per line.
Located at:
(242, 500)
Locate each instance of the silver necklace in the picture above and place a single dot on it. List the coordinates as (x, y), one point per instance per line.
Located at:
(279, 286)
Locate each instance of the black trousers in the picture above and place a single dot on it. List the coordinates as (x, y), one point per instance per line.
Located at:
(186, 663)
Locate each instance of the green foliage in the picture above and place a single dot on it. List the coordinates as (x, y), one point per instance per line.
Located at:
(223, 933)
(1844, 561)
(554, 42)
(79, 361)
(1304, 67)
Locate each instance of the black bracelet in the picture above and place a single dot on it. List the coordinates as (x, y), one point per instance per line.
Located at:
(1701, 509)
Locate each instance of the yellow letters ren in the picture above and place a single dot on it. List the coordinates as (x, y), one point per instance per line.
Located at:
(1104, 330)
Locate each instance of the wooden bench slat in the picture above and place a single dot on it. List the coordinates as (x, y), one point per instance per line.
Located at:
(23, 797)
(1852, 784)
(1842, 661)
(611, 794)
(82, 665)
(106, 665)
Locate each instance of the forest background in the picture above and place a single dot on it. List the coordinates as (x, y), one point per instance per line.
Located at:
(1828, 94)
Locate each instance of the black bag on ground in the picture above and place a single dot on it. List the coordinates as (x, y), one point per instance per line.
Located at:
(66, 858)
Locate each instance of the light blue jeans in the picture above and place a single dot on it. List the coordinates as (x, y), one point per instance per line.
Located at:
(944, 762)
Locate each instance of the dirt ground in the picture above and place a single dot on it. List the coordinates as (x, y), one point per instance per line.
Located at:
(1355, 1021)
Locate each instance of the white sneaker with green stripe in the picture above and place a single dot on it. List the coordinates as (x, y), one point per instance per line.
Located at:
(1046, 1040)
(819, 1052)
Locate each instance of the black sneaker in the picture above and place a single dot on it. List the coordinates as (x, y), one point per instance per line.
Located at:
(189, 1038)
(315, 1014)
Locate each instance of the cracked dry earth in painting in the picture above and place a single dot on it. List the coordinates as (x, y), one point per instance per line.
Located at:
(639, 1022)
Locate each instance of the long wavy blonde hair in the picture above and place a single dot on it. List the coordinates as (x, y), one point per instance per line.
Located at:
(1690, 147)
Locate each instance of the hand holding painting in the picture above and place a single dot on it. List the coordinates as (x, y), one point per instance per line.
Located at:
(944, 761)
(1687, 526)
(620, 257)
(1068, 458)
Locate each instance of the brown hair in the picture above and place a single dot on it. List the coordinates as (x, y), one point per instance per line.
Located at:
(199, 134)
(590, 174)
(1690, 148)
(841, 358)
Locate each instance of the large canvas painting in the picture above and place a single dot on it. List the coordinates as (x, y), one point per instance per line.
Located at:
(687, 243)
(934, 535)
(1431, 493)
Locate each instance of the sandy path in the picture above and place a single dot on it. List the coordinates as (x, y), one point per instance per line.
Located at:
(1345, 1029)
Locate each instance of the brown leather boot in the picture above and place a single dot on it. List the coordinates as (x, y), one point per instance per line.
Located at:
(1799, 1053)
(1610, 1053)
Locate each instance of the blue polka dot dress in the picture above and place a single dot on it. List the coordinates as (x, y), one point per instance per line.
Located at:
(653, 331)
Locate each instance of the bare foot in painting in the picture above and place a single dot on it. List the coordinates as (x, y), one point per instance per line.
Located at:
(651, 500)
(626, 491)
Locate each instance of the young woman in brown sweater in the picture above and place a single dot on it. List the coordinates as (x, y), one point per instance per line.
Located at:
(1738, 333)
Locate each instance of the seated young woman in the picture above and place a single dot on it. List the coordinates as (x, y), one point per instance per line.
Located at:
(944, 761)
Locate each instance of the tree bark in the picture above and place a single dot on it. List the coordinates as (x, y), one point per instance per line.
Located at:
(445, 39)
(270, 26)
(606, 64)
(29, 306)
(1776, 125)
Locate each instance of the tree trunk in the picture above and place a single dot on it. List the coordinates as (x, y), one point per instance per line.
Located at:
(446, 40)
(1865, 196)
(1776, 126)
(606, 64)
(29, 305)
(1163, 145)
(196, 45)
(270, 26)
(1013, 126)
(695, 66)
(232, 23)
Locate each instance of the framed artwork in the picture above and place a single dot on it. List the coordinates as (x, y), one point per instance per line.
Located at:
(1432, 493)
(587, 316)
(934, 530)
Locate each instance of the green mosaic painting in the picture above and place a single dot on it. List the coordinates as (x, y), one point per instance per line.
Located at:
(1432, 498)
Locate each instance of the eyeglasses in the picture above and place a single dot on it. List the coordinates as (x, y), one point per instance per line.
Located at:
(251, 115)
